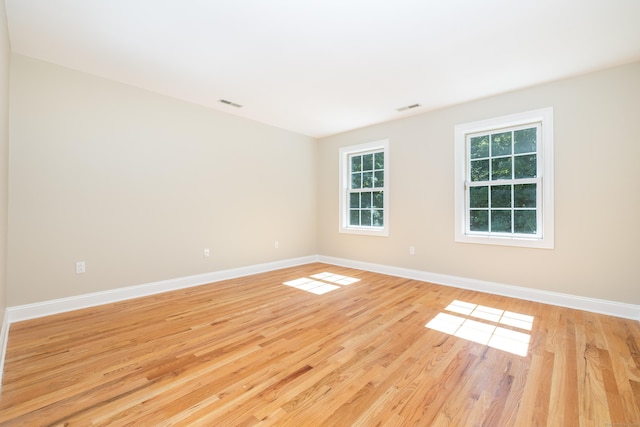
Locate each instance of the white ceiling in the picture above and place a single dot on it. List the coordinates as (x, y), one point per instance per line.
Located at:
(327, 66)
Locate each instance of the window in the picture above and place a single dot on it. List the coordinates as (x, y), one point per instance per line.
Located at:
(504, 180)
(364, 172)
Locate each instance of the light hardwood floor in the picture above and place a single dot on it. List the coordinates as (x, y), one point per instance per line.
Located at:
(253, 351)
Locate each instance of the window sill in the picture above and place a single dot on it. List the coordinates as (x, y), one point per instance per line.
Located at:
(506, 241)
(382, 232)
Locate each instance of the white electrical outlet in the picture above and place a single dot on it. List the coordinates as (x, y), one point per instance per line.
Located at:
(80, 267)
(207, 252)
(412, 250)
(276, 244)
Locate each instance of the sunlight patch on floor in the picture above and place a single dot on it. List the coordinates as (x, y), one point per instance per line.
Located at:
(321, 283)
(336, 278)
(486, 330)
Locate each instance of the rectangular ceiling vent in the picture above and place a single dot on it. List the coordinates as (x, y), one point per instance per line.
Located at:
(233, 104)
(408, 107)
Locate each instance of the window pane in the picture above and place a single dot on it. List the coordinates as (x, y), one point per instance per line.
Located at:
(367, 162)
(378, 199)
(500, 144)
(378, 160)
(525, 166)
(501, 196)
(356, 163)
(365, 200)
(501, 168)
(354, 200)
(524, 195)
(367, 180)
(479, 147)
(501, 221)
(378, 218)
(524, 221)
(365, 217)
(479, 220)
(356, 180)
(479, 197)
(354, 217)
(479, 170)
(525, 141)
(378, 179)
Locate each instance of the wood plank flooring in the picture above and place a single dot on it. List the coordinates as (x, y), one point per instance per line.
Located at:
(253, 351)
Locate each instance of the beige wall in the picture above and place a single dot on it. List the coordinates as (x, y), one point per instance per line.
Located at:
(597, 192)
(137, 185)
(4, 147)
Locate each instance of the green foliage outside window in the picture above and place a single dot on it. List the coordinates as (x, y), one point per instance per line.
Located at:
(497, 202)
(366, 195)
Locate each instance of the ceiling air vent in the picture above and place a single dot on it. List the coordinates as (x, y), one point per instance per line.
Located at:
(408, 107)
(233, 104)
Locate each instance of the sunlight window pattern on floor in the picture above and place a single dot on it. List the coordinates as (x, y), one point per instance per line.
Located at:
(336, 278)
(486, 330)
(321, 283)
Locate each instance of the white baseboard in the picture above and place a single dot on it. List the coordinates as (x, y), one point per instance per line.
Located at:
(4, 338)
(611, 308)
(61, 305)
(46, 308)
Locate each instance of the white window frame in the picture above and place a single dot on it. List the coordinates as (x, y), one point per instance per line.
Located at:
(345, 153)
(545, 196)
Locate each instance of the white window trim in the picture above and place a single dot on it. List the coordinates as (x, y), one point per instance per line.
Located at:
(345, 152)
(545, 152)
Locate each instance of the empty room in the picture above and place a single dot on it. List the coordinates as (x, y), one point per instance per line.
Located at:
(354, 213)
